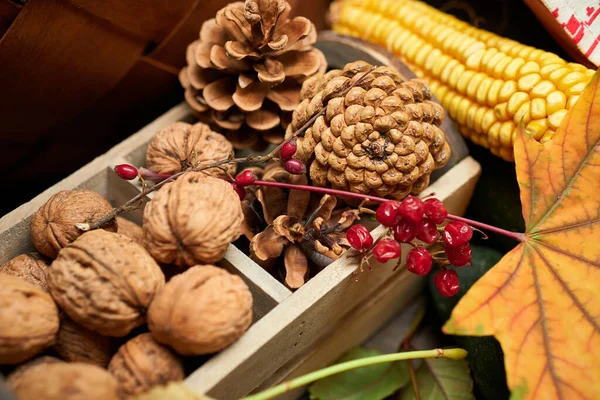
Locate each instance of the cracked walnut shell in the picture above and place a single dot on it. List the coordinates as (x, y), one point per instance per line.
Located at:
(53, 225)
(141, 363)
(105, 282)
(201, 311)
(30, 267)
(28, 320)
(78, 344)
(66, 381)
(382, 138)
(181, 146)
(192, 220)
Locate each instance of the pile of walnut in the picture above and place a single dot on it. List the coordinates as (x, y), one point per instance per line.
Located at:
(90, 316)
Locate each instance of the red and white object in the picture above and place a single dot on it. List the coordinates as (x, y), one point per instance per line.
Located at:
(575, 24)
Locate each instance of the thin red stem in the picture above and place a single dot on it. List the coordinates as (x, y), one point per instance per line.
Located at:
(335, 192)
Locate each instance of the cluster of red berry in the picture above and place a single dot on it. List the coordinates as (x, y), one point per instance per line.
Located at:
(410, 219)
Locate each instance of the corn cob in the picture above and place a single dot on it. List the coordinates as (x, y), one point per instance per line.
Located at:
(488, 84)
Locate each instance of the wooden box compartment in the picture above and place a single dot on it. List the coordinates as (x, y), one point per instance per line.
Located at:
(292, 333)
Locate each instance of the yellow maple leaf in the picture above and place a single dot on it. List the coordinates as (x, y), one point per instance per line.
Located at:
(542, 300)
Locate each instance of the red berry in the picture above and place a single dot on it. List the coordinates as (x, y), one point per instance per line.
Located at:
(388, 214)
(386, 249)
(405, 231)
(427, 231)
(457, 233)
(459, 256)
(288, 150)
(435, 210)
(126, 171)
(245, 178)
(239, 190)
(418, 261)
(446, 282)
(294, 166)
(359, 237)
(412, 208)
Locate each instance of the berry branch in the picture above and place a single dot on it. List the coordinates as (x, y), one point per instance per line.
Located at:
(335, 192)
(452, 354)
(292, 164)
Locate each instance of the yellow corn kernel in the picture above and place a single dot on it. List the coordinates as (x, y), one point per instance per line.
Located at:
(512, 69)
(515, 102)
(505, 134)
(478, 119)
(528, 82)
(495, 150)
(448, 70)
(491, 64)
(422, 54)
(576, 89)
(494, 92)
(555, 101)
(556, 118)
(538, 108)
(556, 75)
(471, 113)
(489, 53)
(453, 109)
(542, 89)
(546, 70)
(488, 119)
(529, 67)
(474, 83)
(571, 101)
(547, 136)
(483, 89)
(570, 79)
(455, 75)
(508, 89)
(536, 54)
(577, 67)
(473, 62)
(432, 60)
(463, 81)
(537, 127)
(524, 53)
(463, 107)
(494, 134)
(501, 112)
(523, 114)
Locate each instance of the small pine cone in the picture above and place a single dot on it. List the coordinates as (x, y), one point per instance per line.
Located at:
(245, 71)
(382, 138)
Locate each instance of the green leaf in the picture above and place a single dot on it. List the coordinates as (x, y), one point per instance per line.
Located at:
(442, 379)
(374, 382)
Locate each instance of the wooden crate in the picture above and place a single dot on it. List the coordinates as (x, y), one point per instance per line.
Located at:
(292, 333)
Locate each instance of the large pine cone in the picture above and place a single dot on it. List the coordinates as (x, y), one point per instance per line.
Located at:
(245, 71)
(382, 138)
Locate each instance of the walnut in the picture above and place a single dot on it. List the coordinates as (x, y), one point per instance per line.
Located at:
(66, 381)
(28, 320)
(201, 311)
(31, 267)
(105, 282)
(130, 229)
(78, 344)
(181, 146)
(53, 225)
(13, 380)
(141, 363)
(192, 220)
